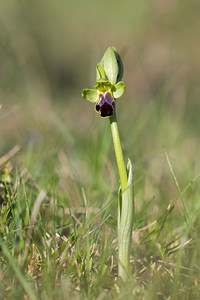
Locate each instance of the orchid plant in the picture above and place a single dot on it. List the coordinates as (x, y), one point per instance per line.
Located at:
(107, 89)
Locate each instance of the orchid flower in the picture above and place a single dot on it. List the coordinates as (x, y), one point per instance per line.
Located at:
(108, 86)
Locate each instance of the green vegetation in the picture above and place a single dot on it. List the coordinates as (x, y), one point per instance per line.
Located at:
(58, 176)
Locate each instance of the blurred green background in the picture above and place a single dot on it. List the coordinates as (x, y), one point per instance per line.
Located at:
(48, 54)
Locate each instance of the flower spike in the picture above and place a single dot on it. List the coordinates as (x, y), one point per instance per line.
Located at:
(108, 87)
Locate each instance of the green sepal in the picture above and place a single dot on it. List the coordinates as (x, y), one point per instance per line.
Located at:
(118, 89)
(100, 73)
(90, 95)
(125, 222)
(110, 64)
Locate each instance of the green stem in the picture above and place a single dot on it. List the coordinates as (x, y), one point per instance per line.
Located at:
(118, 151)
(125, 204)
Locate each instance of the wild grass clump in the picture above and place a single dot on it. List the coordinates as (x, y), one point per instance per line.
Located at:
(50, 250)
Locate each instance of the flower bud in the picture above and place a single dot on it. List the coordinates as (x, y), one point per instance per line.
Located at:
(110, 65)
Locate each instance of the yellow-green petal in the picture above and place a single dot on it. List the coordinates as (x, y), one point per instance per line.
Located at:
(90, 95)
(118, 89)
(100, 73)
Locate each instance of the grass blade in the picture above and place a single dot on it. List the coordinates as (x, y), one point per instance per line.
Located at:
(185, 210)
(26, 286)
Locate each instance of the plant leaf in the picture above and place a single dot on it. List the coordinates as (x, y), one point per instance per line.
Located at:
(90, 95)
(125, 223)
(119, 89)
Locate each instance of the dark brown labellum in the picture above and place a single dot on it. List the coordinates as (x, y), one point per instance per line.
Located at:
(105, 105)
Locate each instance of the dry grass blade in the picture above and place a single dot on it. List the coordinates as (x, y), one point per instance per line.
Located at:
(9, 155)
